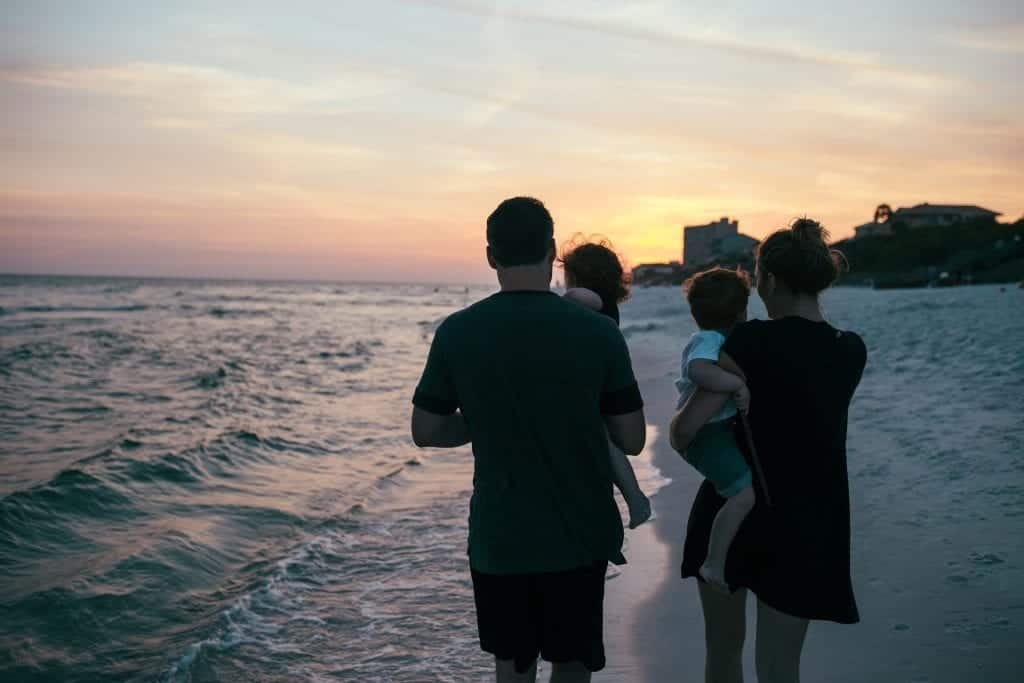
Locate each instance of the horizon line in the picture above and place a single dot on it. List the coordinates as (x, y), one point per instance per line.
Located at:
(228, 278)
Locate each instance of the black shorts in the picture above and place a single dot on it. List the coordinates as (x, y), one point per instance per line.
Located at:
(558, 615)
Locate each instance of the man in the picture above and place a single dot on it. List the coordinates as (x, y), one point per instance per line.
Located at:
(537, 383)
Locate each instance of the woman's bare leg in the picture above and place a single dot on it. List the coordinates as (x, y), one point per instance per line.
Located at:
(725, 627)
(505, 672)
(569, 672)
(780, 640)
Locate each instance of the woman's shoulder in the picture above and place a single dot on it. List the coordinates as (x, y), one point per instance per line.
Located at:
(750, 329)
(745, 341)
(750, 326)
(853, 346)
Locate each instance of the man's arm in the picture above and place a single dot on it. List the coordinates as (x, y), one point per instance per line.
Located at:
(438, 431)
(701, 407)
(436, 418)
(628, 431)
(622, 406)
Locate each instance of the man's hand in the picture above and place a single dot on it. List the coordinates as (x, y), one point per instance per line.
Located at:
(742, 399)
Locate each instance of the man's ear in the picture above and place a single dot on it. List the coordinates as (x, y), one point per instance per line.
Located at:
(490, 258)
(552, 251)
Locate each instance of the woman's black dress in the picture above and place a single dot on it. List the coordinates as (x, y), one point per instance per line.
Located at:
(795, 554)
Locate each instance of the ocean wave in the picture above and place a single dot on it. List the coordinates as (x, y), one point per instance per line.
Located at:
(43, 350)
(358, 349)
(211, 379)
(274, 615)
(129, 308)
(178, 469)
(642, 328)
(237, 298)
(72, 491)
(929, 306)
(221, 312)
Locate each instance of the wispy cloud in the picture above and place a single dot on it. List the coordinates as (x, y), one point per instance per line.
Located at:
(1007, 38)
(177, 87)
(865, 65)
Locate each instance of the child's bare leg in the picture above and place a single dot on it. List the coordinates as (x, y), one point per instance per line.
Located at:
(723, 530)
(625, 479)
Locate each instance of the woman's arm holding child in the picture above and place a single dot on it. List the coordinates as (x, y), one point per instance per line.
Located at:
(701, 407)
(710, 377)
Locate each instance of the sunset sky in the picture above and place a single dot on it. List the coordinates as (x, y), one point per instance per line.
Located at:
(369, 140)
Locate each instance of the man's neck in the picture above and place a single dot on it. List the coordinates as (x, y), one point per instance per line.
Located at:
(525, 279)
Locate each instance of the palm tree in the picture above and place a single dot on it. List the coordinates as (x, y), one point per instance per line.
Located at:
(883, 213)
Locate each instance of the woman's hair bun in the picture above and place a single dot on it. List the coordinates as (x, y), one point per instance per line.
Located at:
(801, 257)
(809, 230)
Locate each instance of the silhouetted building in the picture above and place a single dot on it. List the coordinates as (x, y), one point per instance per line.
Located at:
(923, 216)
(705, 243)
(930, 215)
(648, 270)
(873, 228)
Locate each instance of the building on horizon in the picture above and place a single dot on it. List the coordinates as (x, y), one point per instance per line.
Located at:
(872, 229)
(923, 216)
(931, 215)
(647, 270)
(704, 243)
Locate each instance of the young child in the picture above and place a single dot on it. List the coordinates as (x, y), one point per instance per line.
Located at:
(718, 300)
(594, 278)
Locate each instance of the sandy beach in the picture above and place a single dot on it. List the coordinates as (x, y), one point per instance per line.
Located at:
(652, 618)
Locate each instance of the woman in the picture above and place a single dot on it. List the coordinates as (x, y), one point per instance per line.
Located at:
(793, 550)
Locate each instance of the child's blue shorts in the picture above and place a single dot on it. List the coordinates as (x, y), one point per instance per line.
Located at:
(714, 454)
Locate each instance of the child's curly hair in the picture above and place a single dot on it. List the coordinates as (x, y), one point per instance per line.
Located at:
(591, 262)
(717, 297)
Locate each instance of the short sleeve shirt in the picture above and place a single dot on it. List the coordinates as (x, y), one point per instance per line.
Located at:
(704, 345)
(534, 375)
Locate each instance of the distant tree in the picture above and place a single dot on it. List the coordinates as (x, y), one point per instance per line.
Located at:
(883, 213)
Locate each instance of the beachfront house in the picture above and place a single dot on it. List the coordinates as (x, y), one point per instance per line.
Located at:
(923, 216)
(873, 228)
(932, 215)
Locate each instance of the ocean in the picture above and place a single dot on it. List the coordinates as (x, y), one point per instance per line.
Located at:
(214, 481)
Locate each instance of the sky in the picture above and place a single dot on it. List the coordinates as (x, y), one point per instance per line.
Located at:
(370, 140)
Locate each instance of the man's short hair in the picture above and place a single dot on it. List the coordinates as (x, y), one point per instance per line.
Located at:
(519, 232)
(717, 297)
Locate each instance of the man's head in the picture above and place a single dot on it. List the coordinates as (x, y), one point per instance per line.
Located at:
(520, 232)
(718, 298)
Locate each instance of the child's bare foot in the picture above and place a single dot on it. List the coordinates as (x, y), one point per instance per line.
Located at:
(639, 512)
(714, 578)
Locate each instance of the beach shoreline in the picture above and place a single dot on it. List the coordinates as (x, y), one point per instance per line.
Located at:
(654, 630)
